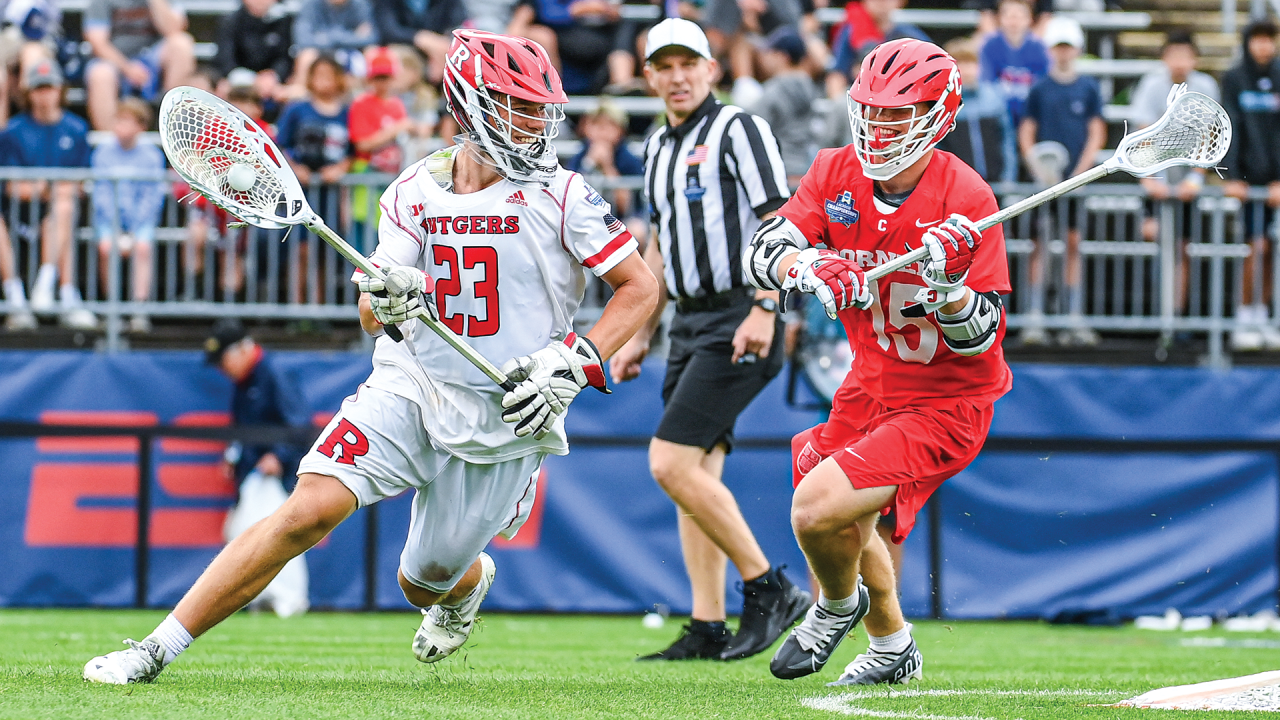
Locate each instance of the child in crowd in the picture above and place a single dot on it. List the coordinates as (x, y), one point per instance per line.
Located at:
(126, 212)
(376, 122)
(983, 136)
(1066, 108)
(421, 102)
(787, 101)
(313, 132)
(1012, 59)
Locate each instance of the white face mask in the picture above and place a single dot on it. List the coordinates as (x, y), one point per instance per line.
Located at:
(494, 139)
(887, 148)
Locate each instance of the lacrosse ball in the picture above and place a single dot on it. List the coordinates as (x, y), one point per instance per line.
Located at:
(241, 177)
(653, 621)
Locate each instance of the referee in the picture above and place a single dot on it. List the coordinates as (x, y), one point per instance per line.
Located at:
(711, 175)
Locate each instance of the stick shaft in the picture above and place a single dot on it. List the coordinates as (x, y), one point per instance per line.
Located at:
(996, 218)
(317, 226)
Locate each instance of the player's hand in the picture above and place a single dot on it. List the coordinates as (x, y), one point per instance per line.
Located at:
(625, 364)
(952, 246)
(413, 286)
(838, 283)
(754, 335)
(547, 381)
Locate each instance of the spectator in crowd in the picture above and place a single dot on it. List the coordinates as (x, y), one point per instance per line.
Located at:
(787, 102)
(48, 136)
(730, 25)
(587, 40)
(376, 121)
(1066, 108)
(265, 393)
(1012, 59)
(336, 27)
(32, 30)
(142, 42)
(491, 15)
(421, 102)
(126, 212)
(20, 316)
(867, 23)
(1148, 103)
(424, 24)
(604, 156)
(1251, 97)
(987, 23)
(982, 137)
(313, 132)
(257, 36)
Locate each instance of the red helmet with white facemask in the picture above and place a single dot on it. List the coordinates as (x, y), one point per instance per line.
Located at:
(483, 73)
(900, 74)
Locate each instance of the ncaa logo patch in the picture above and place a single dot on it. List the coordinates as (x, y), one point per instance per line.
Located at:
(841, 209)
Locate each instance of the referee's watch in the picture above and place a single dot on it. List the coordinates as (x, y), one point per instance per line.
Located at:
(767, 304)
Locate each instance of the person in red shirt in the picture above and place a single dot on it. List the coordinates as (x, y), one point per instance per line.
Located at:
(377, 118)
(916, 406)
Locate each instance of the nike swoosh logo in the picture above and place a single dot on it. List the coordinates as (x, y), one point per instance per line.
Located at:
(931, 222)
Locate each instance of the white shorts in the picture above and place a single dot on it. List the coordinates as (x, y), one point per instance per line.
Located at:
(377, 447)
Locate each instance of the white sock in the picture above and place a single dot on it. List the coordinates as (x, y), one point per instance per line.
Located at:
(894, 643)
(45, 279)
(1260, 313)
(14, 293)
(172, 637)
(844, 606)
(69, 294)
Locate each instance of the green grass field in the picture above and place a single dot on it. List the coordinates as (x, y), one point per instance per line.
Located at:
(535, 666)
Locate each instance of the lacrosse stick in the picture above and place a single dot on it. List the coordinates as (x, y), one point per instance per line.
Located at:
(1194, 130)
(227, 158)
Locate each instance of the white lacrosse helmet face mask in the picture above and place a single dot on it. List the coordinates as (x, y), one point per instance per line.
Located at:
(483, 76)
(886, 148)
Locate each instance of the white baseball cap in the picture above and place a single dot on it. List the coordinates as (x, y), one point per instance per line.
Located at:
(677, 31)
(1064, 31)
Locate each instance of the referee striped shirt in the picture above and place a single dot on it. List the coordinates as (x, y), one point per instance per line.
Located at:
(708, 181)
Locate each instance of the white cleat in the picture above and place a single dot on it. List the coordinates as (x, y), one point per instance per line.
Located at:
(141, 663)
(443, 629)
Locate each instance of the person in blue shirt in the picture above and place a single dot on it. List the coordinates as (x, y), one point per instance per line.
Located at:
(126, 212)
(47, 136)
(313, 132)
(1012, 59)
(983, 137)
(1066, 108)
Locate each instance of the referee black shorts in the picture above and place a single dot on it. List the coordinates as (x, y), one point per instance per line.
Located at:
(704, 392)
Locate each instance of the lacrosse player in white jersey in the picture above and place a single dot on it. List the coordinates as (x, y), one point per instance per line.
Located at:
(494, 239)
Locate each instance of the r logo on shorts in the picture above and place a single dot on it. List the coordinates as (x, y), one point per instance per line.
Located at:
(348, 437)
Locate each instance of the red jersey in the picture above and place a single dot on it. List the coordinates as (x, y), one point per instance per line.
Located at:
(903, 361)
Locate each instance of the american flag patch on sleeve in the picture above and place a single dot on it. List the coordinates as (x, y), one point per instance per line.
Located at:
(613, 224)
(697, 155)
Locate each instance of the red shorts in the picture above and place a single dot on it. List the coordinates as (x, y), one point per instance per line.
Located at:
(915, 448)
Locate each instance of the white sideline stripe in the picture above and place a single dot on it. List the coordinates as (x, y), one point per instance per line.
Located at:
(843, 703)
(1202, 691)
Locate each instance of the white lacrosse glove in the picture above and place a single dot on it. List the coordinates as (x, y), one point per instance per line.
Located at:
(837, 282)
(548, 380)
(414, 291)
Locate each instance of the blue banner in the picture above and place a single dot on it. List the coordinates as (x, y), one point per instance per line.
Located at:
(1022, 534)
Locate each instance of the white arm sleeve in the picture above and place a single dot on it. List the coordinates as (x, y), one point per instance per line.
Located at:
(776, 238)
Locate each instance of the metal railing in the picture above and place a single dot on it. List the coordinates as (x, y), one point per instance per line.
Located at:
(1185, 276)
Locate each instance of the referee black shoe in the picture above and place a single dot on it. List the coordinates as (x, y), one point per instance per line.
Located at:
(771, 604)
(808, 648)
(697, 641)
(880, 668)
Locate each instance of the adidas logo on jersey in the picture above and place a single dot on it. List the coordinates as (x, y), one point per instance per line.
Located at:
(517, 198)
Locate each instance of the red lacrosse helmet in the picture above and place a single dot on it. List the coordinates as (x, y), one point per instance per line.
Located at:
(898, 74)
(483, 72)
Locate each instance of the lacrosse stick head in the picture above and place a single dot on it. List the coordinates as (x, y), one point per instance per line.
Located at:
(1194, 130)
(205, 138)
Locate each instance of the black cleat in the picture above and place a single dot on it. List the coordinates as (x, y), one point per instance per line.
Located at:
(877, 668)
(771, 605)
(810, 645)
(696, 642)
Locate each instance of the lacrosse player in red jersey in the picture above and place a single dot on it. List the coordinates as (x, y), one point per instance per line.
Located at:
(916, 406)
(493, 238)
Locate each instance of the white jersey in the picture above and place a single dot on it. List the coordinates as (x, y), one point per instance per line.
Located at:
(509, 266)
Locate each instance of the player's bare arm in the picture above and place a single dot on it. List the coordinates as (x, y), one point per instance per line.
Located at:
(635, 296)
(625, 364)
